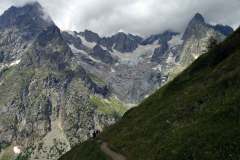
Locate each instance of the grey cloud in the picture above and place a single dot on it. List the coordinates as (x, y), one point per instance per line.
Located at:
(142, 17)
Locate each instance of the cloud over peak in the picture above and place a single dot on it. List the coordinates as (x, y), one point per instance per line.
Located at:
(142, 17)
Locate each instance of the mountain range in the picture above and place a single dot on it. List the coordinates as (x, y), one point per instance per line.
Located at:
(195, 116)
(57, 86)
(133, 66)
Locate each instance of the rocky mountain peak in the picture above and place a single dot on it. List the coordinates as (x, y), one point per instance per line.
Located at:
(196, 24)
(198, 18)
(31, 17)
(125, 42)
(19, 27)
(196, 38)
(49, 49)
(159, 38)
(90, 36)
(50, 33)
(35, 5)
(101, 54)
(121, 36)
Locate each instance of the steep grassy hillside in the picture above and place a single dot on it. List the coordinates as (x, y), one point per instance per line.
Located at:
(195, 117)
(89, 151)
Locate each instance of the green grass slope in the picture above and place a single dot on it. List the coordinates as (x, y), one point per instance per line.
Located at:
(195, 117)
(89, 151)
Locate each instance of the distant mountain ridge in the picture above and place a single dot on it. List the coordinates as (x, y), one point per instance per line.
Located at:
(125, 59)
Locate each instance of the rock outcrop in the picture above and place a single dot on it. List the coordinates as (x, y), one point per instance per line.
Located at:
(196, 38)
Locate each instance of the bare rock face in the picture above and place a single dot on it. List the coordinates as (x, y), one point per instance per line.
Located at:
(46, 102)
(19, 26)
(101, 54)
(124, 43)
(159, 53)
(90, 36)
(43, 96)
(196, 38)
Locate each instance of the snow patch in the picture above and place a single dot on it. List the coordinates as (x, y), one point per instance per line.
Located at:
(195, 56)
(16, 150)
(74, 49)
(156, 42)
(158, 68)
(138, 55)
(94, 59)
(146, 96)
(176, 40)
(164, 79)
(171, 59)
(103, 47)
(86, 43)
(72, 33)
(113, 70)
(16, 62)
(7, 65)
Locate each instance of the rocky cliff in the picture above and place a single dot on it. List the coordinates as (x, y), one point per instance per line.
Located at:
(48, 102)
(196, 38)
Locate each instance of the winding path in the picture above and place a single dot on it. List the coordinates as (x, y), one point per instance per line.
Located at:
(114, 156)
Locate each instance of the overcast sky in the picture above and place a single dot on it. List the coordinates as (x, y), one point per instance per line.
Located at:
(142, 17)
